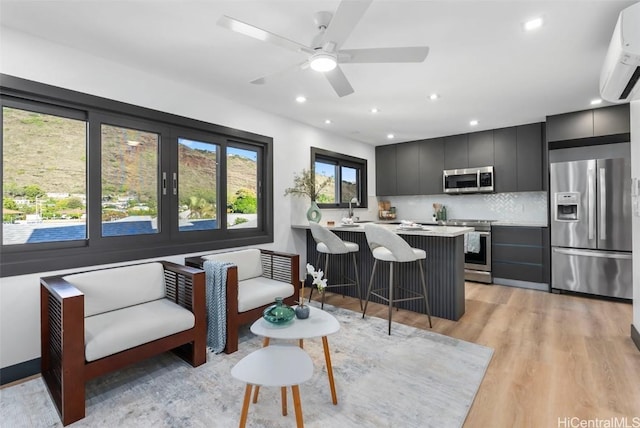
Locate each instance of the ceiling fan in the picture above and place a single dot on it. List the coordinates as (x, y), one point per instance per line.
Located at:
(324, 54)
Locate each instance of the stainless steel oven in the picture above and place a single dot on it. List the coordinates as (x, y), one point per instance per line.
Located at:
(477, 266)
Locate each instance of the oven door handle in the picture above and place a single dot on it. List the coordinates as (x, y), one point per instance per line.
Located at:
(484, 233)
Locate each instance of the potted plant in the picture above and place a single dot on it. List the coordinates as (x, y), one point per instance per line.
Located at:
(305, 184)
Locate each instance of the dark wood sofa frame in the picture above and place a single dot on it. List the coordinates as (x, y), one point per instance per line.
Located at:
(63, 363)
(279, 266)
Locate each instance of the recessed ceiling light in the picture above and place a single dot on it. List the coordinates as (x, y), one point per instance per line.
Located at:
(301, 98)
(473, 122)
(374, 110)
(596, 101)
(434, 97)
(533, 24)
(327, 121)
(391, 136)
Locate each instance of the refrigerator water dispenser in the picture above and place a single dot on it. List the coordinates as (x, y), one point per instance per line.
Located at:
(567, 206)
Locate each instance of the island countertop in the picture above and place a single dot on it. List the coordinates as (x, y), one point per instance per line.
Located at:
(428, 230)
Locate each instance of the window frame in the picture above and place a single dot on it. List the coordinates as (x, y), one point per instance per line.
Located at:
(343, 160)
(18, 259)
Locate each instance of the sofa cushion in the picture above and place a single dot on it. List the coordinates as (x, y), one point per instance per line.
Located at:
(111, 332)
(256, 292)
(110, 289)
(248, 261)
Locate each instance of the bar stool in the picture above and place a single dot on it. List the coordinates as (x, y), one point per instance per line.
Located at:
(387, 246)
(328, 243)
(275, 365)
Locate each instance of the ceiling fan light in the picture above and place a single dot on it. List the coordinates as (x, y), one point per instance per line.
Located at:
(323, 62)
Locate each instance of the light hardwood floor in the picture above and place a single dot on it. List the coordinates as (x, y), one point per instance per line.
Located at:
(556, 357)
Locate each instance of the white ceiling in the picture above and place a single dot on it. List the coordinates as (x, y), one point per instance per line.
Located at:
(481, 62)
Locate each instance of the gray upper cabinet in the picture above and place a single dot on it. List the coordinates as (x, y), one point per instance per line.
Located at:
(611, 120)
(431, 166)
(570, 126)
(529, 165)
(481, 149)
(601, 122)
(408, 168)
(386, 170)
(456, 152)
(415, 168)
(505, 159)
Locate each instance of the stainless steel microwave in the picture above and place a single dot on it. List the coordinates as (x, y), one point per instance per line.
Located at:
(468, 180)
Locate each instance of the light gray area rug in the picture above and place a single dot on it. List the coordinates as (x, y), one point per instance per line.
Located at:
(413, 378)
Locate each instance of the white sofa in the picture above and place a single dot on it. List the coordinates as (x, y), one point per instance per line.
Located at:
(98, 321)
(256, 278)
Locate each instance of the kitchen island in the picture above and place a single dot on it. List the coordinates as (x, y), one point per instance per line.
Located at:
(444, 266)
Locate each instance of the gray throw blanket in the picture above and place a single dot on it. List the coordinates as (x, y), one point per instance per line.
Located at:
(216, 275)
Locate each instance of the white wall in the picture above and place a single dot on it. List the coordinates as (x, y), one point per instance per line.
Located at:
(635, 172)
(37, 59)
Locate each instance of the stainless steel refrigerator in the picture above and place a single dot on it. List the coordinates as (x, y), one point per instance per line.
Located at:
(591, 227)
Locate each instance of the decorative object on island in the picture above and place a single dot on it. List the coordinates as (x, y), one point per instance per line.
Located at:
(302, 311)
(279, 312)
(386, 211)
(439, 212)
(305, 184)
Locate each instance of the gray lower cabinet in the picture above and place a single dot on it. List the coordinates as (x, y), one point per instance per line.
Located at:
(520, 255)
(386, 180)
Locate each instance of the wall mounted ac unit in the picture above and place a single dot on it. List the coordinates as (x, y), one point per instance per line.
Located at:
(620, 75)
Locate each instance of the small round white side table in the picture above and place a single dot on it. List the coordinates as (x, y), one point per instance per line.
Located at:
(275, 365)
(319, 324)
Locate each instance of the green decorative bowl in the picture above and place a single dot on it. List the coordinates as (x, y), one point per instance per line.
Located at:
(279, 313)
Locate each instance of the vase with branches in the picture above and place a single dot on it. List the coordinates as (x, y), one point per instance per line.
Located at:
(306, 184)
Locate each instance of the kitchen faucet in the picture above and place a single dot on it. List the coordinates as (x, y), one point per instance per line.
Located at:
(355, 201)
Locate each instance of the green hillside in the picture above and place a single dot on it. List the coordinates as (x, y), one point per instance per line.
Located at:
(49, 152)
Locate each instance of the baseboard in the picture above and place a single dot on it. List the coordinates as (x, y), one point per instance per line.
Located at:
(521, 284)
(635, 336)
(19, 371)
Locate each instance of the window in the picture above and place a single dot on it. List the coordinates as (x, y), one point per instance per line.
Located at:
(242, 187)
(88, 181)
(345, 177)
(44, 175)
(129, 181)
(198, 185)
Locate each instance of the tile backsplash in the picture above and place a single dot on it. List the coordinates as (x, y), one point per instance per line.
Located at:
(524, 207)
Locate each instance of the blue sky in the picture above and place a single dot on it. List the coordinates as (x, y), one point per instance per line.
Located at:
(198, 145)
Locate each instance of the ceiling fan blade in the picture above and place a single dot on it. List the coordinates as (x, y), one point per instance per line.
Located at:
(339, 82)
(266, 79)
(260, 34)
(406, 54)
(344, 20)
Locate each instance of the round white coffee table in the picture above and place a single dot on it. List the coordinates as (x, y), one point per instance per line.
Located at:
(274, 366)
(319, 324)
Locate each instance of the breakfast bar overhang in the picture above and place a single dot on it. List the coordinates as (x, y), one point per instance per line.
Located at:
(444, 266)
